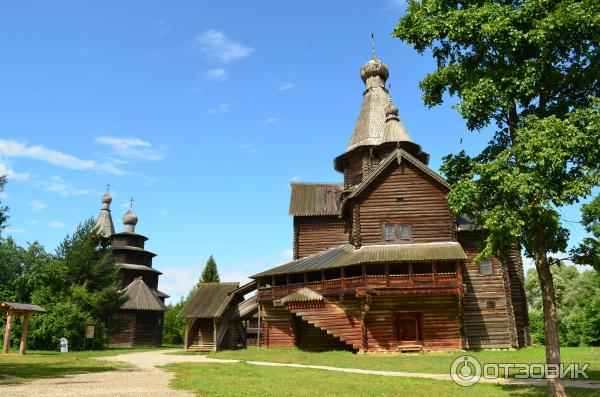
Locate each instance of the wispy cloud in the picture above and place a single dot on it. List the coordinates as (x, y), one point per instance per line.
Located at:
(216, 74)
(161, 29)
(222, 108)
(129, 148)
(56, 224)
(286, 87)
(287, 254)
(216, 47)
(270, 120)
(37, 205)
(57, 184)
(15, 149)
(15, 230)
(250, 147)
(11, 174)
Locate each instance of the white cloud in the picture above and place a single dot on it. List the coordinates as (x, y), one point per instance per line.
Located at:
(287, 254)
(270, 120)
(15, 149)
(15, 230)
(6, 170)
(56, 224)
(177, 281)
(286, 87)
(37, 205)
(57, 184)
(222, 108)
(216, 74)
(250, 147)
(131, 148)
(215, 46)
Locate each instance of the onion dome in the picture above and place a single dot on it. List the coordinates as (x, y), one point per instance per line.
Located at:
(104, 223)
(394, 130)
(374, 68)
(391, 111)
(130, 219)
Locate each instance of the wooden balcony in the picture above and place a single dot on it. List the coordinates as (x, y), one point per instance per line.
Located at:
(412, 280)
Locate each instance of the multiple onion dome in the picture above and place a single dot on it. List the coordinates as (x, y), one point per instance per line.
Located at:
(378, 120)
(130, 219)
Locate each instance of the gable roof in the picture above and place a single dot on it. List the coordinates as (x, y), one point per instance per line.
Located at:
(314, 199)
(24, 307)
(397, 155)
(303, 295)
(210, 300)
(347, 255)
(141, 297)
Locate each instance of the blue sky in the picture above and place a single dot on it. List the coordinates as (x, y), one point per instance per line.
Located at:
(202, 111)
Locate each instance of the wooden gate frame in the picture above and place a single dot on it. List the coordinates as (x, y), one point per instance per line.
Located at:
(18, 309)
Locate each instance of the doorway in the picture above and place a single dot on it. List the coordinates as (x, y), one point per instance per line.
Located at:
(409, 328)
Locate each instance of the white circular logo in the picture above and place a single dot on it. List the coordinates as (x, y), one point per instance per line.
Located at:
(465, 371)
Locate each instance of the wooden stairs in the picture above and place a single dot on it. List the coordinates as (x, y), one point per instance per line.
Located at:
(333, 321)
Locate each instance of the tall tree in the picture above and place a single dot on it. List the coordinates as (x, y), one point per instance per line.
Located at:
(3, 209)
(531, 68)
(588, 251)
(210, 274)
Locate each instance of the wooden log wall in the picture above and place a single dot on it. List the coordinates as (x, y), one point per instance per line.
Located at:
(128, 275)
(424, 206)
(122, 333)
(148, 328)
(485, 310)
(276, 328)
(201, 335)
(318, 233)
(138, 258)
(353, 172)
(439, 315)
(516, 278)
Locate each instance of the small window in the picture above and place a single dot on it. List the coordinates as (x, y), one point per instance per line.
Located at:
(395, 232)
(400, 200)
(404, 232)
(485, 267)
(389, 232)
(490, 304)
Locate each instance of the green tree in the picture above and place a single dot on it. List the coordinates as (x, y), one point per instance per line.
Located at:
(174, 326)
(78, 286)
(210, 274)
(588, 251)
(3, 209)
(530, 67)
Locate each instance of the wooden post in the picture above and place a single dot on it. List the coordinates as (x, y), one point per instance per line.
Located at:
(9, 321)
(186, 335)
(215, 334)
(411, 281)
(364, 275)
(434, 270)
(387, 275)
(24, 333)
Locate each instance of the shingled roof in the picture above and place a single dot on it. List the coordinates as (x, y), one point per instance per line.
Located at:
(210, 300)
(313, 199)
(347, 255)
(141, 297)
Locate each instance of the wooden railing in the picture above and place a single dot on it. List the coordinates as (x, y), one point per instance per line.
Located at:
(408, 280)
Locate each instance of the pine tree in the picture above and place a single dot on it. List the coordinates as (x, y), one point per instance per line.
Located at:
(210, 274)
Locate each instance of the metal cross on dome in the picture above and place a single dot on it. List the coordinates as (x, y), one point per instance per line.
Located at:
(131, 202)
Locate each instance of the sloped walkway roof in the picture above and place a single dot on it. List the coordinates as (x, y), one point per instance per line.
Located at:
(347, 255)
(303, 295)
(244, 309)
(210, 300)
(141, 297)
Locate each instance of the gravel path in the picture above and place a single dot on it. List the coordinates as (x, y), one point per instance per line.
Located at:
(143, 381)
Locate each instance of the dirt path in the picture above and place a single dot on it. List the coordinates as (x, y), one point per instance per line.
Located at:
(143, 381)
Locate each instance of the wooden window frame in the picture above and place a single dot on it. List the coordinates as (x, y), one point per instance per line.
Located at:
(480, 267)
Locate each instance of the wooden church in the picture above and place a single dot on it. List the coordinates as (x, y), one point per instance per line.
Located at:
(139, 321)
(380, 261)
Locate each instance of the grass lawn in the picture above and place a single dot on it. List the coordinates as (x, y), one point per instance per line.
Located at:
(241, 379)
(49, 364)
(437, 363)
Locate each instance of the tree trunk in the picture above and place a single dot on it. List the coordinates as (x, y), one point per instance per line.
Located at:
(555, 386)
